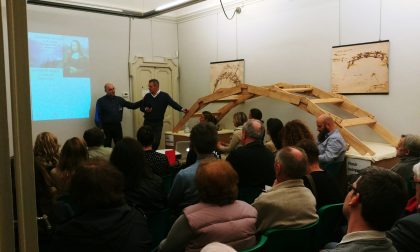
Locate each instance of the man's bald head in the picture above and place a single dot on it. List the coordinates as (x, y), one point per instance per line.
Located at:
(291, 163)
(325, 122)
(109, 89)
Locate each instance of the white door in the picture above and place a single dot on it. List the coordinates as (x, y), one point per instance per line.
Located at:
(167, 75)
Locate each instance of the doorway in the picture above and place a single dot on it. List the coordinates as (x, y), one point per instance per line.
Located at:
(166, 73)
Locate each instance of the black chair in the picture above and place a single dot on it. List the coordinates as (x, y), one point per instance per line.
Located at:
(159, 224)
(248, 193)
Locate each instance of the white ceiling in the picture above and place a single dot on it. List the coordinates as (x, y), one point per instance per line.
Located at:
(147, 5)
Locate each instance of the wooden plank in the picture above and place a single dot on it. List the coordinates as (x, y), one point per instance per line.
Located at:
(297, 90)
(327, 100)
(228, 99)
(275, 94)
(357, 121)
(347, 105)
(221, 93)
(225, 109)
(355, 142)
(194, 108)
(385, 134)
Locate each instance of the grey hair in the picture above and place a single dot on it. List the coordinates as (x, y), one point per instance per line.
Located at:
(416, 170)
(412, 143)
(252, 131)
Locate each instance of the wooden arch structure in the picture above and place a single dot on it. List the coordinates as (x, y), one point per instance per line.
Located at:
(307, 98)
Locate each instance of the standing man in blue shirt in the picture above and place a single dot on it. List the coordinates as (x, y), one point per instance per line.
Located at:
(154, 106)
(109, 112)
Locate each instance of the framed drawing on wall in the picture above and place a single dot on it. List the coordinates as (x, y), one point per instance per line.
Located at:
(360, 68)
(226, 74)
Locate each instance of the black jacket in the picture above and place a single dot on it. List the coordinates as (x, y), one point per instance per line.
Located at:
(122, 229)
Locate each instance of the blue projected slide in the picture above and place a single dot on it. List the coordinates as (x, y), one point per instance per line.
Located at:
(60, 78)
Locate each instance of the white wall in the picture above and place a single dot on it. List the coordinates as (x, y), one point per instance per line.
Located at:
(290, 41)
(109, 38)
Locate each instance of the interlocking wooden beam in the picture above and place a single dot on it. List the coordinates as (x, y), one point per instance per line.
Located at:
(305, 97)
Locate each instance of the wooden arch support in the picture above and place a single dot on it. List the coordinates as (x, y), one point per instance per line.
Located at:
(304, 96)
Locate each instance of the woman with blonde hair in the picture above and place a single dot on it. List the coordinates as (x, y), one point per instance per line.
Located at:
(46, 150)
(73, 153)
(239, 118)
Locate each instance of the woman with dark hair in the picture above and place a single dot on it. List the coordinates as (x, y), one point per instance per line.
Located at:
(207, 116)
(239, 118)
(143, 188)
(104, 221)
(274, 127)
(213, 218)
(295, 131)
(73, 153)
(47, 150)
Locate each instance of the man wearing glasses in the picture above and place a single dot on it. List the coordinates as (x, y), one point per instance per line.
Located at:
(373, 203)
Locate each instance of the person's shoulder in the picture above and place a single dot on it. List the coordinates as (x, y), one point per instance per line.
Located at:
(101, 98)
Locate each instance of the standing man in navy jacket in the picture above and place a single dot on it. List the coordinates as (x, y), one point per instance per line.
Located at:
(109, 112)
(154, 106)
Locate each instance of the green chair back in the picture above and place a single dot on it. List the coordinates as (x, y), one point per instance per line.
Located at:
(259, 247)
(300, 239)
(330, 220)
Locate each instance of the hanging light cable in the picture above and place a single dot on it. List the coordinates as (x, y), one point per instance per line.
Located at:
(237, 10)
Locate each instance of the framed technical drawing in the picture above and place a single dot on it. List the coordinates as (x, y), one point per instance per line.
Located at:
(226, 74)
(360, 68)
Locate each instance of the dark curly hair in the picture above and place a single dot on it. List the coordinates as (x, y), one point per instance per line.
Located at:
(295, 131)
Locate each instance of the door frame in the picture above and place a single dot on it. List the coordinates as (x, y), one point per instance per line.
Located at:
(139, 62)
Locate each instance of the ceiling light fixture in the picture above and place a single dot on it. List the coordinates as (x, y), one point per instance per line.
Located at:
(115, 11)
(169, 5)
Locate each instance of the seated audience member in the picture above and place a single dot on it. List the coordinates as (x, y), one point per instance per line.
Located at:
(184, 192)
(45, 197)
(372, 205)
(405, 232)
(239, 119)
(331, 145)
(142, 187)
(73, 153)
(105, 222)
(274, 129)
(413, 203)
(158, 162)
(289, 203)
(256, 114)
(46, 150)
(295, 131)
(218, 217)
(207, 116)
(95, 139)
(408, 150)
(253, 162)
(323, 186)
